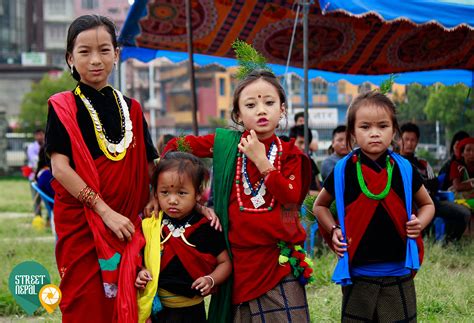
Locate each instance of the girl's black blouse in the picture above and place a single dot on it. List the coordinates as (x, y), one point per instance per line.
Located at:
(105, 104)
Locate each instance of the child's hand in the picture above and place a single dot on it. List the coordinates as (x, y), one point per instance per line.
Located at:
(143, 278)
(413, 227)
(203, 284)
(337, 242)
(253, 148)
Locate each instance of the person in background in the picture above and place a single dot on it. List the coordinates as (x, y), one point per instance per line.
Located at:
(299, 120)
(337, 150)
(32, 153)
(162, 141)
(446, 168)
(43, 174)
(462, 173)
(297, 132)
(454, 215)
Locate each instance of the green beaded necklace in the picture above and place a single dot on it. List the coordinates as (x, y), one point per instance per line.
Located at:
(365, 189)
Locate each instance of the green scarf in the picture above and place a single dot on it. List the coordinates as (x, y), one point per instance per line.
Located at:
(225, 156)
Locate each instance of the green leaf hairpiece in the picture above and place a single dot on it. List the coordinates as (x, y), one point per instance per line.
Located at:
(249, 59)
(386, 85)
(182, 145)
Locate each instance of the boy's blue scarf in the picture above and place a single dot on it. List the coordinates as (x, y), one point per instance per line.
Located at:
(341, 273)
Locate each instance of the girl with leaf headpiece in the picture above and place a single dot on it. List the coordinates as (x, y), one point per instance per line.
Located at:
(259, 183)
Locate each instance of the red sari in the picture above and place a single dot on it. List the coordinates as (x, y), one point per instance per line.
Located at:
(83, 238)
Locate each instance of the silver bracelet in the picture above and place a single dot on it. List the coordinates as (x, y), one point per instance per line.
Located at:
(212, 280)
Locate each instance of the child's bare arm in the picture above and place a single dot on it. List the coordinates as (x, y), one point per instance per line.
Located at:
(325, 219)
(218, 276)
(426, 211)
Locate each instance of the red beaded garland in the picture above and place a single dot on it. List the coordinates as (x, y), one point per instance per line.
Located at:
(238, 174)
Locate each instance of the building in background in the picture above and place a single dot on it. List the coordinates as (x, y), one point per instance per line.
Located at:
(117, 10)
(58, 15)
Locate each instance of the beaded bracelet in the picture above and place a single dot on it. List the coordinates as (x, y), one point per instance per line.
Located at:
(212, 280)
(88, 197)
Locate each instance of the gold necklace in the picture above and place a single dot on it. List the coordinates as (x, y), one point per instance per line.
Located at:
(111, 150)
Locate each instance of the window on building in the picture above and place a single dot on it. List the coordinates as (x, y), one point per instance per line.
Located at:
(222, 86)
(113, 10)
(320, 87)
(222, 114)
(90, 4)
(295, 85)
(56, 7)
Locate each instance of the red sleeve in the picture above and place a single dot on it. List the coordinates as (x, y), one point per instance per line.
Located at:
(454, 171)
(201, 146)
(289, 186)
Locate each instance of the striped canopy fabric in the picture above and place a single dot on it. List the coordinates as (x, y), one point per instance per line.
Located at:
(339, 41)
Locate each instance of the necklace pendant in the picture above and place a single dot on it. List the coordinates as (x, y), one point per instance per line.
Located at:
(245, 184)
(119, 148)
(111, 148)
(176, 232)
(247, 191)
(257, 201)
(262, 191)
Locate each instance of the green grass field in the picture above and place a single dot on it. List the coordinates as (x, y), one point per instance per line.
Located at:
(444, 284)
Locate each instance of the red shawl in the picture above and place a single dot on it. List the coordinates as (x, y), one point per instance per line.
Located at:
(360, 212)
(197, 264)
(83, 238)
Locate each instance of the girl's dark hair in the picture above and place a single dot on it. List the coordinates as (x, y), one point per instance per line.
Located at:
(84, 23)
(372, 99)
(252, 77)
(458, 136)
(184, 164)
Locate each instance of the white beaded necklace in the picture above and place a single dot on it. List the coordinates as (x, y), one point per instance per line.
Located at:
(112, 150)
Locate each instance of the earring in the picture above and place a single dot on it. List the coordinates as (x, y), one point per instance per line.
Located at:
(72, 69)
(116, 66)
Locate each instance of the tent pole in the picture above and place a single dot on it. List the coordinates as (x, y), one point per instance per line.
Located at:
(305, 67)
(189, 27)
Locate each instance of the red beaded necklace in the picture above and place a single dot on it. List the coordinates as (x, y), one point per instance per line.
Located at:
(239, 180)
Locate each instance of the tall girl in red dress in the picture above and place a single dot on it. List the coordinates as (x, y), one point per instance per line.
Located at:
(100, 152)
(259, 183)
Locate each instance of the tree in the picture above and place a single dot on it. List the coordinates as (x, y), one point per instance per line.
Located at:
(34, 107)
(450, 106)
(412, 108)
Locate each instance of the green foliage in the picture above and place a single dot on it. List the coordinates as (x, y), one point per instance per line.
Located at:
(217, 122)
(386, 86)
(34, 108)
(425, 154)
(412, 107)
(308, 206)
(248, 58)
(448, 105)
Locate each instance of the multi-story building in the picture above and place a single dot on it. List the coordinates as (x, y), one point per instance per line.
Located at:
(117, 10)
(58, 15)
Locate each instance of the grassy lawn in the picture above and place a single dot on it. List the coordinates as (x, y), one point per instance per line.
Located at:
(15, 195)
(444, 284)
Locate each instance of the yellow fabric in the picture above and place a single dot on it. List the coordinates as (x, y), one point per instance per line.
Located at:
(152, 257)
(171, 300)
